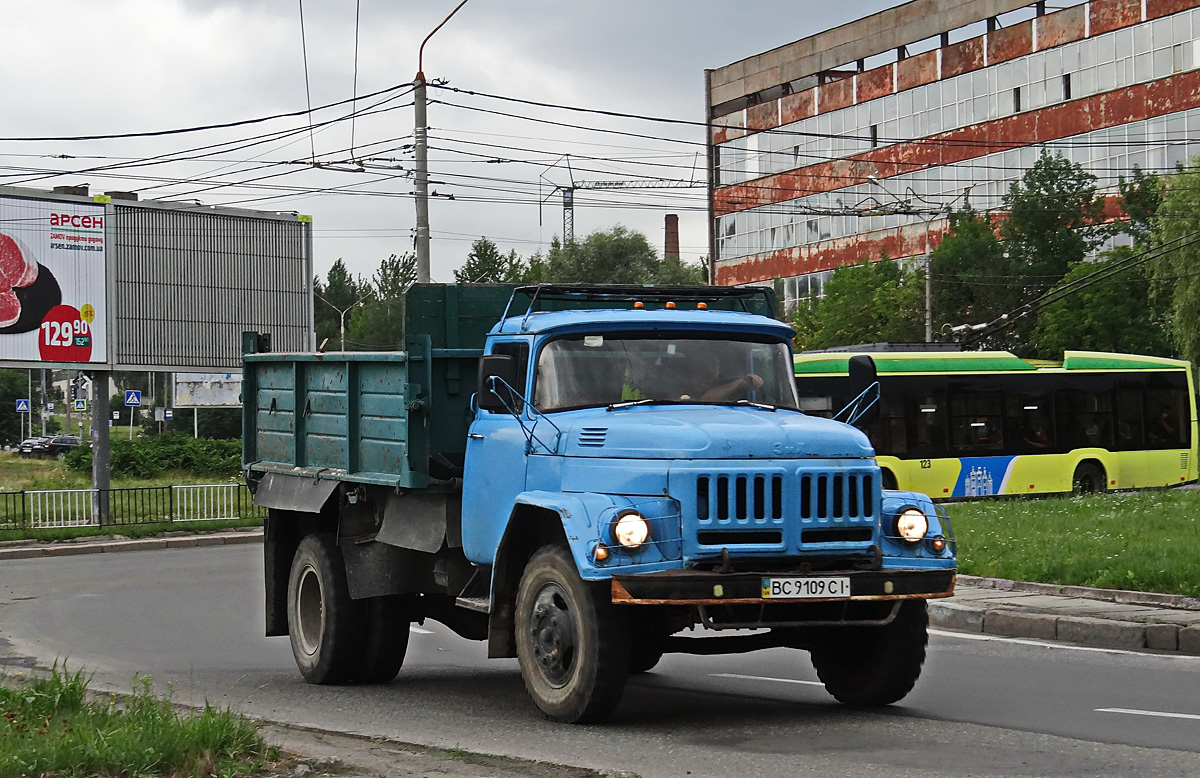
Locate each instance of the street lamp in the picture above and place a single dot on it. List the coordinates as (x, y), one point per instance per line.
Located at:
(342, 313)
(421, 156)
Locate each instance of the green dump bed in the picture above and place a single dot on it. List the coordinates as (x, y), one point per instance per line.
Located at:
(390, 418)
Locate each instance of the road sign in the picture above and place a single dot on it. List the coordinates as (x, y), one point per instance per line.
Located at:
(116, 416)
(133, 398)
(49, 407)
(81, 405)
(169, 413)
(22, 406)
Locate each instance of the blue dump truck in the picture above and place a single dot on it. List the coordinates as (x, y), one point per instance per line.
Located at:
(586, 478)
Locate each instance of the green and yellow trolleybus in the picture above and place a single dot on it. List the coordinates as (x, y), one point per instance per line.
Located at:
(977, 423)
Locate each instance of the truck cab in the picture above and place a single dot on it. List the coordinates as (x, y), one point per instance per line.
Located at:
(633, 464)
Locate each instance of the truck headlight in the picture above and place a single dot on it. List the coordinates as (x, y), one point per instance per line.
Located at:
(631, 530)
(912, 525)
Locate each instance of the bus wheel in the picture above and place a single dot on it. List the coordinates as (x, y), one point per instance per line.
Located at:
(572, 646)
(325, 625)
(1088, 478)
(868, 666)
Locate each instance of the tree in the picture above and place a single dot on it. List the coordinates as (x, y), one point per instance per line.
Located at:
(975, 280)
(1054, 219)
(1141, 197)
(13, 386)
(615, 256)
(486, 265)
(378, 324)
(1178, 287)
(1115, 315)
(865, 303)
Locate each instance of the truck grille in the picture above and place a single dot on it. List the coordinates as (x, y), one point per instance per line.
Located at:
(739, 497)
(780, 510)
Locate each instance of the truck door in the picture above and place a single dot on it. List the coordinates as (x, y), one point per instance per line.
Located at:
(494, 472)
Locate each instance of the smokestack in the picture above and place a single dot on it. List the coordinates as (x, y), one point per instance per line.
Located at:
(671, 248)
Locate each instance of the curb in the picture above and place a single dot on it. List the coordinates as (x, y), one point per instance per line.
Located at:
(1080, 630)
(1123, 596)
(27, 551)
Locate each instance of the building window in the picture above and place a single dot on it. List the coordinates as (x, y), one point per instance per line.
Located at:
(1066, 81)
(1016, 99)
(874, 135)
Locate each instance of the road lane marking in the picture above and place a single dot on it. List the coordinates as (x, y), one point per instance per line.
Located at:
(764, 678)
(1054, 644)
(413, 628)
(1158, 713)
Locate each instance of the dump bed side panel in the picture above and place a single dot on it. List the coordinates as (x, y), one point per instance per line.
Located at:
(341, 416)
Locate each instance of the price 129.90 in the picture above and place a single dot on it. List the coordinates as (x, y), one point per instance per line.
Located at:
(62, 333)
(65, 336)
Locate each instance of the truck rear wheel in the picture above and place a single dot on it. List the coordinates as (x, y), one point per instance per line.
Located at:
(325, 625)
(572, 646)
(386, 640)
(868, 666)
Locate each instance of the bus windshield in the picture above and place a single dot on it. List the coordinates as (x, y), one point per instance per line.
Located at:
(604, 369)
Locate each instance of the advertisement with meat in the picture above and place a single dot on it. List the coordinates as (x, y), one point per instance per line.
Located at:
(52, 281)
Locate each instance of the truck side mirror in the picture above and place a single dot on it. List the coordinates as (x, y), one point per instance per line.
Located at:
(862, 377)
(497, 373)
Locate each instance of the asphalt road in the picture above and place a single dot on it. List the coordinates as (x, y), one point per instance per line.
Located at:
(984, 706)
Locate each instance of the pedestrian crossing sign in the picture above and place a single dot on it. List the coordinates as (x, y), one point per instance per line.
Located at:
(22, 406)
(81, 405)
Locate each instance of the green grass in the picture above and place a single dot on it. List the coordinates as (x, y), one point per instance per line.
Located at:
(1145, 541)
(53, 727)
(19, 473)
(127, 530)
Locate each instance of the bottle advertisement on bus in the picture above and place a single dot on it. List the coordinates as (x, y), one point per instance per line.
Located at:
(52, 282)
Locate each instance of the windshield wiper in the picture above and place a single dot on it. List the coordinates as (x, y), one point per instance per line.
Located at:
(753, 404)
(647, 401)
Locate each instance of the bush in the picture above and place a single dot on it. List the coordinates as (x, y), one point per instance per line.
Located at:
(148, 457)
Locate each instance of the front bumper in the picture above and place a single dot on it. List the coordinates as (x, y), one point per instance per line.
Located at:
(695, 587)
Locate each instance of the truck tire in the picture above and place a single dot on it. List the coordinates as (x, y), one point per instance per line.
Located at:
(386, 640)
(572, 646)
(869, 666)
(325, 625)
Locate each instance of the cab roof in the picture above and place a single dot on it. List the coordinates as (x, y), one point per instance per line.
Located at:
(633, 319)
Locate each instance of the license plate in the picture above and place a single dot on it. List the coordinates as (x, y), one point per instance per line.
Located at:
(804, 588)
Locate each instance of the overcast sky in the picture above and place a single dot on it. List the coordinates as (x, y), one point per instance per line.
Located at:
(123, 66)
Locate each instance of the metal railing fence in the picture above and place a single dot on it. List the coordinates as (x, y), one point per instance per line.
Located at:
(50, 508)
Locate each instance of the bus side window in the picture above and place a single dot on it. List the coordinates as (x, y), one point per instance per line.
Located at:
(977, 420)
(1166, 411)
(1131, 428)
(887, 435)
(1085, 418)
(1030, 425)
(927, 416)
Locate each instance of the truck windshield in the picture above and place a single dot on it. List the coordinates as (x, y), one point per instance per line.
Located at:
(593, 370)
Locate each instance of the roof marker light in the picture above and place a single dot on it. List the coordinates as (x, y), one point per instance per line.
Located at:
(702, 306)
(670, 305)
(639, 304)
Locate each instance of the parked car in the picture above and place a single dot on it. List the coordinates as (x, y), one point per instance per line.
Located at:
(30, 446)
(59, 444)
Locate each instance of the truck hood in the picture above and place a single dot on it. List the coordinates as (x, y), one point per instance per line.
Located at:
(706, 432)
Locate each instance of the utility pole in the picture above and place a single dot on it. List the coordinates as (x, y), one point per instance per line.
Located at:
(421, 157)
(421, 152)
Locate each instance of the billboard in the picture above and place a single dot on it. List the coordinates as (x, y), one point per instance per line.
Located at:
(52, 281)
(208, 390)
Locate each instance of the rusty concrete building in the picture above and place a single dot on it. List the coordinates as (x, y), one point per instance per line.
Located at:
(818, 143)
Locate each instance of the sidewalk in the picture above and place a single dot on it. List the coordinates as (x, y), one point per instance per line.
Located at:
(110, 544)
(1102, 618)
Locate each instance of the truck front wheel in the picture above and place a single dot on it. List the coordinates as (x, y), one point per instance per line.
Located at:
(572, 646)
(325, 625)
(867, 666)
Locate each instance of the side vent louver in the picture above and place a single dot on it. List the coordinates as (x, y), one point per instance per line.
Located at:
(593, 436)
